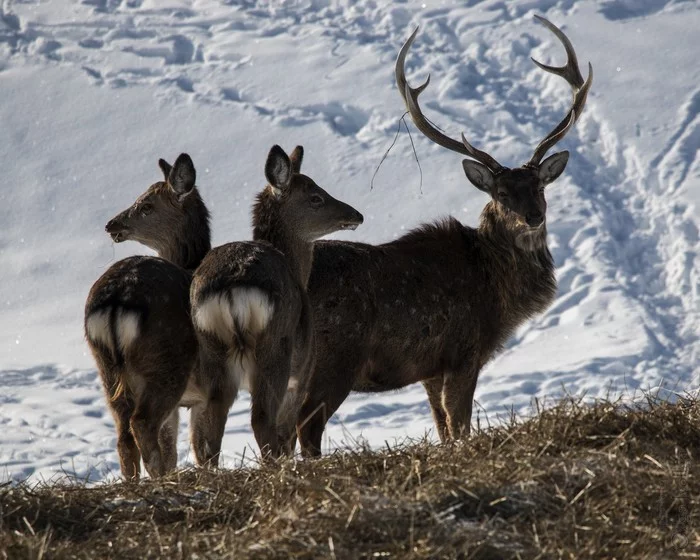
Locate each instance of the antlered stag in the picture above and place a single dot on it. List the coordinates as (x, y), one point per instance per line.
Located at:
(137, 318)
(436, 304)
(251, 312)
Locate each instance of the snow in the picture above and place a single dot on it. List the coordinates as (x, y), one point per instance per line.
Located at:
(94, 92)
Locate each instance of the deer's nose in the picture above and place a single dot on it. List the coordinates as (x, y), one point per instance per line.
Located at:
(535, 218)
(115, 224)
(358, 217)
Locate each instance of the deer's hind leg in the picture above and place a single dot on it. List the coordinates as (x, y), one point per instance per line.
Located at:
(121, 404)
(167, 438)
(269, 385)
(123, 408)
(208, 418)
(161, 383)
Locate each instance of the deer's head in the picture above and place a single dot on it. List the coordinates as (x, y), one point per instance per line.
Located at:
(517, 193)
(308, 210)
(165, 211)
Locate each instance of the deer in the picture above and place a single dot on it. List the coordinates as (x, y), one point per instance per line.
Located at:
(435, 305)
(251, 313)
(137, 318)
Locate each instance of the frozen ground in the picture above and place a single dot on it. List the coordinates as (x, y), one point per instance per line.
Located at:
(94, 92)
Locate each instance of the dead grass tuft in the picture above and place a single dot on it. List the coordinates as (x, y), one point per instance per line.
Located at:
(574, 481)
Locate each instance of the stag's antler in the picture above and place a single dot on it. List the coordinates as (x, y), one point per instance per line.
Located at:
(410, 97)
(572, 74)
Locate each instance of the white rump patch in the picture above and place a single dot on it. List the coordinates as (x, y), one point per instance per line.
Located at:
(97, 328)
(127, 328)
(214, 316)
(249, 309)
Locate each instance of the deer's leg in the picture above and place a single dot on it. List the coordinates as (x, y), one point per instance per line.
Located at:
(327, 392)
(208, 419)
(286, 422)
(457, 399)
(167, 438)
(433, 387)
(129, 455)
(155, 404)
(121, 407)
(207, 425)
(269, 385)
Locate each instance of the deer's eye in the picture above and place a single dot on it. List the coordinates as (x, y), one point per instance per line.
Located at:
(146, 209)
(316, 200)
(502, 195)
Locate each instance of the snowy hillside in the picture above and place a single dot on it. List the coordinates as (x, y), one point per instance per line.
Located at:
(94, 92)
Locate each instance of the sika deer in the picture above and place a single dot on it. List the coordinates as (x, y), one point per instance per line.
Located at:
(251, 312)
(137, 318)
(437, 304)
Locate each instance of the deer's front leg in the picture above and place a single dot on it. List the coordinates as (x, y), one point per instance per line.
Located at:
(457, 399)
(433, 387)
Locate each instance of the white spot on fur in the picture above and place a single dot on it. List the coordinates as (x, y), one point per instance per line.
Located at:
(214, 316)
(97, 328)
(249, 309)
(127, 328)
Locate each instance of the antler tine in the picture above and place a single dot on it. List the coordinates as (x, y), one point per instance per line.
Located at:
(410, 98)
(572, 74)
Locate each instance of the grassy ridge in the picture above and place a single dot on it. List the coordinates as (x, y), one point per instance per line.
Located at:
(574, 481)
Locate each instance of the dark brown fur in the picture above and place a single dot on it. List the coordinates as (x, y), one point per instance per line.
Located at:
(433, 306)
(437, 304)
(145, 381)
(272, 272)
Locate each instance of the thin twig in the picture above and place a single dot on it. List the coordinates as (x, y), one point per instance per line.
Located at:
(396, 136)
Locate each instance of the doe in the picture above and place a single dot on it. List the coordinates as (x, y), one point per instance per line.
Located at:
(251, 312)
(137, 318)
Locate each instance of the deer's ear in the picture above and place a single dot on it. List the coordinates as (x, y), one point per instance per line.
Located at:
(295, 157)
(182, 176)
(479, 175)
(165, 167)
(552, 167)
(278, 169)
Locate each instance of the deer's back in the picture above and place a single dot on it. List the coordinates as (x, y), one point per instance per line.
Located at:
(244, 263)
(139, 307)
(253, 282)
(412, 308)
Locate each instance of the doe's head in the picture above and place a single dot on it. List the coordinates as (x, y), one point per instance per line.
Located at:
(163, 211)
(305, 207)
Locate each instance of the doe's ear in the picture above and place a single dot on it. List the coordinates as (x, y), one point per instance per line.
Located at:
(552, 167)
(478, 174)
(182, 176)
(295, 157)
(165, 167)
(278, 168)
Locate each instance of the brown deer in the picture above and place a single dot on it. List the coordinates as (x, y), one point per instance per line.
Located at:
(137, 318)
(251, 312)
(436, 304)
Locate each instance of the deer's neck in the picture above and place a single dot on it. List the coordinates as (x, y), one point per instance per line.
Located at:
(519, 259)
(269, 225)
(192, 241)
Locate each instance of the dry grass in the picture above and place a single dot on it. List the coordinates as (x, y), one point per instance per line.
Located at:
(575, 481)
